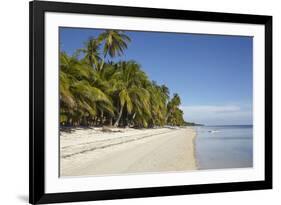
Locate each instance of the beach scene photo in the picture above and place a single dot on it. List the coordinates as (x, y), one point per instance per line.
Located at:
(139, 102)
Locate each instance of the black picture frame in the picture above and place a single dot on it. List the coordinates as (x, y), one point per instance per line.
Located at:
(37, 194)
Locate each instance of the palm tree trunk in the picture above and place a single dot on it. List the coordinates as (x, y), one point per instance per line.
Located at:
(168, 115)
(134, 115)
(101, 117)
(119, 117)
(102, 64)
(166, 118)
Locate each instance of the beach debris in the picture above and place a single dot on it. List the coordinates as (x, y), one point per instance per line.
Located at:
(109, 129)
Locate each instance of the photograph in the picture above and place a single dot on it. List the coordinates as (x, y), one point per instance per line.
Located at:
(139, 102)
(132, 102)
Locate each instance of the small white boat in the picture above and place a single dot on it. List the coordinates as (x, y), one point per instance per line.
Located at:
(213, 131)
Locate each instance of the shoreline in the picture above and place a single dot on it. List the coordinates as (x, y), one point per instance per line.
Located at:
(90, 151)
(224, 147)
(194, 150)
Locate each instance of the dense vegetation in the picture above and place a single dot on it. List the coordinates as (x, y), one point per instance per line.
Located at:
(95, 91)
(192, 124)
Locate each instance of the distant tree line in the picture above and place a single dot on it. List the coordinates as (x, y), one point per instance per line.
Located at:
(192, 124)
(95, 91)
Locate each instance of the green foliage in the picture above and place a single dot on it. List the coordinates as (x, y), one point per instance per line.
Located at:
(95, 93)
(115, 42)
(192, 124)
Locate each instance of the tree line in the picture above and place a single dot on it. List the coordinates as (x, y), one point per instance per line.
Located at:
(96, 91)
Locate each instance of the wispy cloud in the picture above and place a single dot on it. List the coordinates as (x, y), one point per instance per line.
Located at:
(214, 109)
(224, 114)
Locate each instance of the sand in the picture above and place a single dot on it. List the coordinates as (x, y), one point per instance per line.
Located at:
(86, 152)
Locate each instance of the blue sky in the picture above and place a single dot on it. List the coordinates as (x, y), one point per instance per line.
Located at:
(211, 73)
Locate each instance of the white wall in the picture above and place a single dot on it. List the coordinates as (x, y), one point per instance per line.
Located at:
(14, 100)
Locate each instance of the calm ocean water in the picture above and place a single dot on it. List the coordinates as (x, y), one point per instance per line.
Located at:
(219, 147)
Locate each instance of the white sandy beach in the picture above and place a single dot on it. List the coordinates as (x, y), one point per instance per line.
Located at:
(93, 152)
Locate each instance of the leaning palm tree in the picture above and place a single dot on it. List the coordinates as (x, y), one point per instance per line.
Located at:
(173, 105)
(164, 92)
(158, 101)
(66, 65)
(81, 99)
(127, 84)
(101, 79)
(91, 99)
(67, 100)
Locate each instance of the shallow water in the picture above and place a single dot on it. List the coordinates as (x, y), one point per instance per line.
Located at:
(219, 147)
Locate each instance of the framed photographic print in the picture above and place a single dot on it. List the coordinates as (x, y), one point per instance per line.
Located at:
(141, 102)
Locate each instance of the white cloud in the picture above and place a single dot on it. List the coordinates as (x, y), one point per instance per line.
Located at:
(219, 115)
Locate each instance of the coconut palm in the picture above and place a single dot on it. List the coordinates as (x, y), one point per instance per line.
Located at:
(79, 96)
(95, 92)
(127, 83)
(90, 99)
(165, 92)
(174, 115)
(67, 100)
(157, 105)
(102, 80)
(66, 65)
(115, 42)
(91, 51)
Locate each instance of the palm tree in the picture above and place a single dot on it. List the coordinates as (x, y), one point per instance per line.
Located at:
(165, 92)
(115, 42)
(79, 97)
(102, 80)
(90, 99)
(173, 105)
(66, 65)
(93, 92)
(176, 118)
(91, 51)
(128, 85)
